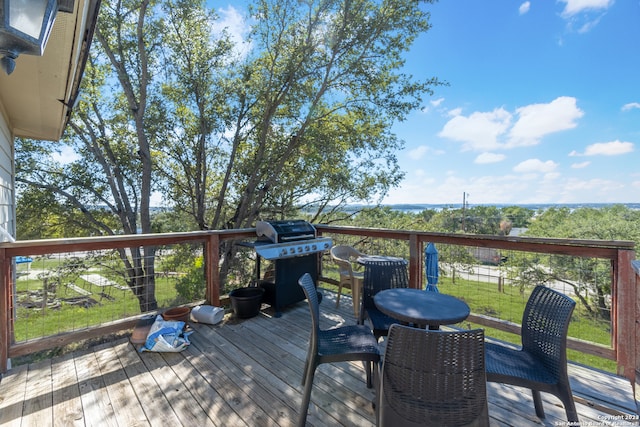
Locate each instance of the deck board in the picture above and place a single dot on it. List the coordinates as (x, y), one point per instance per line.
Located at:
(67, 405)
(12, 396)
(248, 373)
(95, 398)
(38, 399)
(148, 396)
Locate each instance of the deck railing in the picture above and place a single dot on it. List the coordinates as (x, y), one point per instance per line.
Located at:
(10, 252)
(617, 256)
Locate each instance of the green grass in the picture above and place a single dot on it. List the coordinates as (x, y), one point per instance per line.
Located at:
(103, 305)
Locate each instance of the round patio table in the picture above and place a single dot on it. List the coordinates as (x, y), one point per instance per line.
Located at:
(422, 308)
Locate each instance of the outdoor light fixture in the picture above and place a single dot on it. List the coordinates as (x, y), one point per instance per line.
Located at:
(25, 26)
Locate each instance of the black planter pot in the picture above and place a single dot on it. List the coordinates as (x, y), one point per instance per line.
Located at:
(246, 302)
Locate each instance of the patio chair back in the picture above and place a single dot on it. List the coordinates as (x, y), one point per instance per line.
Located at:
(343, 256)
(541, 363)
(545, 324)
(340, 344)
(433, 378)
(378, 276)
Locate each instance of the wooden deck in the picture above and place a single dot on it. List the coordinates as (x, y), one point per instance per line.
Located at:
(248, 373)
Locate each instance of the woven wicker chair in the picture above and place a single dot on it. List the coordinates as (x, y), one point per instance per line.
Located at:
(341, 344)
(541, 363)
(433, 378)
(343, 256)
(377, 277)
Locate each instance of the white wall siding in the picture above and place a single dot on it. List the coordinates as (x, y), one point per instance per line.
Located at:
(7, 182)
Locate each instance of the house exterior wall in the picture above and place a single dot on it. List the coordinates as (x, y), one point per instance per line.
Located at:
(7, 182)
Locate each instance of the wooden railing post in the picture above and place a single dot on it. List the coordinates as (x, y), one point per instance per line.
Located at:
(415, 262)
(624, 303)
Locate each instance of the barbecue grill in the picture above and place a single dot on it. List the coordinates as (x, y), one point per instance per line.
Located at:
(292, 247)
(287, 239)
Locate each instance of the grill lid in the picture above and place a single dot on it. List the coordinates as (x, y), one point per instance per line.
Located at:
(285, 231)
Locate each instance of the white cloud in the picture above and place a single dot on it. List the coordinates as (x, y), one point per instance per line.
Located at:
(588, 25)
(535, 166)
(574, 7)
(232, 21)
(595, 186)
(479, 131)
(455, 112)
(537, 120)
(613, 148)
(551, 176)
(493, 130)
(630, 106)
(486, 157)
(580, 165)
(582, 15)
(418, 152)
(437, 102)
(524, 8)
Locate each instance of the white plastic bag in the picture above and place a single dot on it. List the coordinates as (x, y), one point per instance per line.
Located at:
(207, 314)
(166, 336)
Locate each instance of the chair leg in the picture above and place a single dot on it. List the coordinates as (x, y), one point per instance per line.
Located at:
(308, 364)
(569, 406)
(355, 297)
(306, 397)
(537, 402)
(368, 366)
(376, 396)
(339, 293)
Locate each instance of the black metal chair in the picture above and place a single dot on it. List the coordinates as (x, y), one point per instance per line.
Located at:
(379, 275)
(340, 344)
(541, 363)
(433, 378)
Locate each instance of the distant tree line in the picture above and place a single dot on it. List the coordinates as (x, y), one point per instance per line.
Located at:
(589, 278)
(485, 219)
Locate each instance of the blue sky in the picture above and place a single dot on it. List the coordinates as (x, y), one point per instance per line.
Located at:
(543, 103)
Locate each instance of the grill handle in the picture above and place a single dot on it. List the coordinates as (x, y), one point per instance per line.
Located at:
(297, 237)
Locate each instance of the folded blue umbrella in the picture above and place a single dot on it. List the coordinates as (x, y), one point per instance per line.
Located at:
(431, 267)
